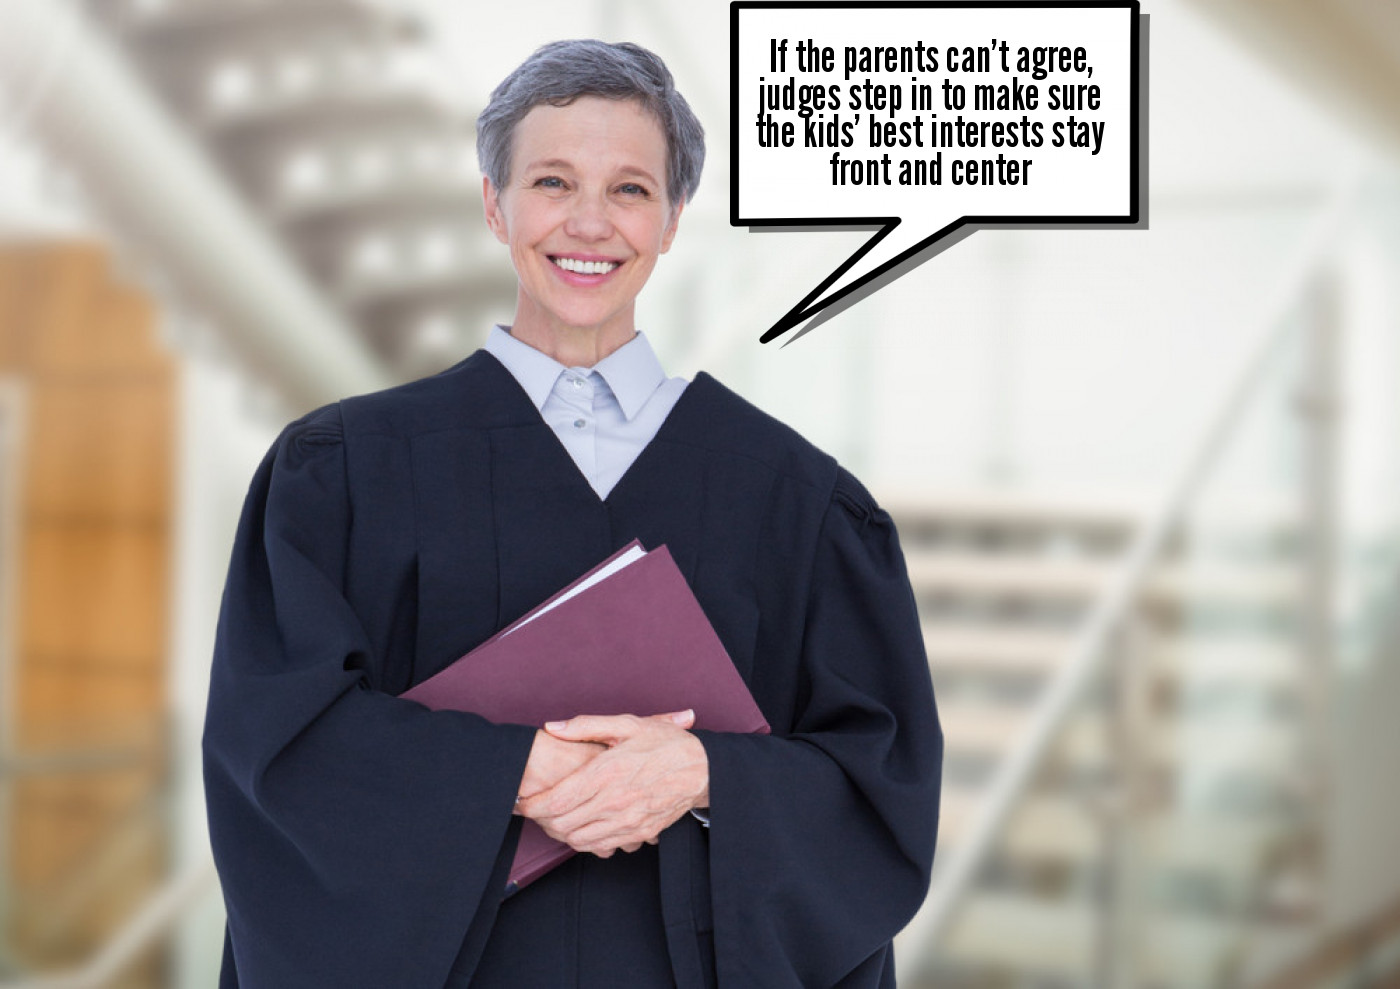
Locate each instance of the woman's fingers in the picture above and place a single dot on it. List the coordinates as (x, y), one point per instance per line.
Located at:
(628, 794)
(612, 729)
(564, 796)
(552, 760)
(682, 719)
(607, 729)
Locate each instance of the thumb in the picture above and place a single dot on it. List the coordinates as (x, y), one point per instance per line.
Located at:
(683, 719)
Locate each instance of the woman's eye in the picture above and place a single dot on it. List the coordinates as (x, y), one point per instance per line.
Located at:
(632, 189)
(550, 182)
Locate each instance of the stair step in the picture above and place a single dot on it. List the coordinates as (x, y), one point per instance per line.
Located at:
(980, 728)
(1001, 650)
(1080, 580)
(1042, 828)
(180, 22)
(1070, 511)
(968, 574)
(1253, 585)
(1047, 827)
(1220, 665)
(991, 730)
(398, 193)
(1062, 939)
(994, 649)
(987, 507)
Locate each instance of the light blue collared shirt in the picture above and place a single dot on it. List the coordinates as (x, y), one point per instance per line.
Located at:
(604, 415)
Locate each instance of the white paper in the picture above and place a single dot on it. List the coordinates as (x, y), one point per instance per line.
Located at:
(631, 556)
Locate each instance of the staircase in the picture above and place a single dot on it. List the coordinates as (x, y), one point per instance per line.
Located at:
(1165, 827)
(319, 114)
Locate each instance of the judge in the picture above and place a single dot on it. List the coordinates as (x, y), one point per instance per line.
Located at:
(363, 840)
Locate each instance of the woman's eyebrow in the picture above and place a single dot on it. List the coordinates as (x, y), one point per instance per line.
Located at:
(564, 164)
(639, 172)
(549, 163)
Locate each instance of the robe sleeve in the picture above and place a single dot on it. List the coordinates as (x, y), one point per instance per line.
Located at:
(357, 836)
(822, 838)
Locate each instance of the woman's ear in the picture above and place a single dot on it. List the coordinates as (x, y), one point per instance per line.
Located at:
(669, 234)
(491, 204)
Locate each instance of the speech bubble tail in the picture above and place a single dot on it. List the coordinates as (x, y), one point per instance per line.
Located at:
(807, 307)
(793, 318)
(860, 273)
(817, 320)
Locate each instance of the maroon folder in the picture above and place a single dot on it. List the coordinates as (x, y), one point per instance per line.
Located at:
(635, 642)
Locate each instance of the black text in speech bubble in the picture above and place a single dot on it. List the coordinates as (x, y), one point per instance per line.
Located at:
(924, 119)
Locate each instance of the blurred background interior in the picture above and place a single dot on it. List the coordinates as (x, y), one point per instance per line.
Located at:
(1146, 480)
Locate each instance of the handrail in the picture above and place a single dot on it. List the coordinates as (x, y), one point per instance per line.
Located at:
(99, 869)
(1093, 646)
(1341, 950)
(159, 914)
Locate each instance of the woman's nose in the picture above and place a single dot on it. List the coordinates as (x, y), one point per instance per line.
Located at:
(588, 219)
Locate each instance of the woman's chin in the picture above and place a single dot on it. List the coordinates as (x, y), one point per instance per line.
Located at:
(574, 339)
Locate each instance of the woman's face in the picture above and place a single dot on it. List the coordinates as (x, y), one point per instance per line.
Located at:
(584, 213)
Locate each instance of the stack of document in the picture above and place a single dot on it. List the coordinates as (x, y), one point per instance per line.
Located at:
(628, 637)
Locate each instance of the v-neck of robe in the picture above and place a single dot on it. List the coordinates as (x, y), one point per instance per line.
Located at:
(504, 515)
(547, 524)
(669, 425)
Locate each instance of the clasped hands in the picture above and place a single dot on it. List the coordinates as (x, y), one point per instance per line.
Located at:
(603, 783)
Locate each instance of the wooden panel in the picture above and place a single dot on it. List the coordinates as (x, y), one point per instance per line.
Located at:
(12, 264)
(86, 833)
(95, 592)
(62, 314)
(100, 448)
(21, 295)
(60, 284)
(109, 334)
(89, 702)
(114, 335)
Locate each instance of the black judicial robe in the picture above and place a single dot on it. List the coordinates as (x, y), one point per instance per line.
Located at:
(363, 840)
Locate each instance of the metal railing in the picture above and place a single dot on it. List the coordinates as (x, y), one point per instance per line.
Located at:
(1368, 939)
(160, 914)
(93, 868)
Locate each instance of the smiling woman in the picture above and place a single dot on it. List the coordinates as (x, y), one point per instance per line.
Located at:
(586, 214)
(363, 840)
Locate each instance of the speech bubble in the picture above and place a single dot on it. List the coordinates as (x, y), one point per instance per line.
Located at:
(926, 120)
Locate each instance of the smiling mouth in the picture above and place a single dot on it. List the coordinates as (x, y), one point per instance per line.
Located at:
(585, 267)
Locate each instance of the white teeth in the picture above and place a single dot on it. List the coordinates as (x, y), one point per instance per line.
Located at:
(586, 267)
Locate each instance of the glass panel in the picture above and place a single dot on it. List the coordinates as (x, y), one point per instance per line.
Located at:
(1175, 834)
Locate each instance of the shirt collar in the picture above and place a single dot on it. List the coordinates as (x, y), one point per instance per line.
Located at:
(632, 371)
(535, 370)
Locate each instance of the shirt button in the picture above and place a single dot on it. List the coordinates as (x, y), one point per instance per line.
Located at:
(580, 423)
(578, 382)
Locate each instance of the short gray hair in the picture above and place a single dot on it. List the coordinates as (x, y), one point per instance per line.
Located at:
(560, 72)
